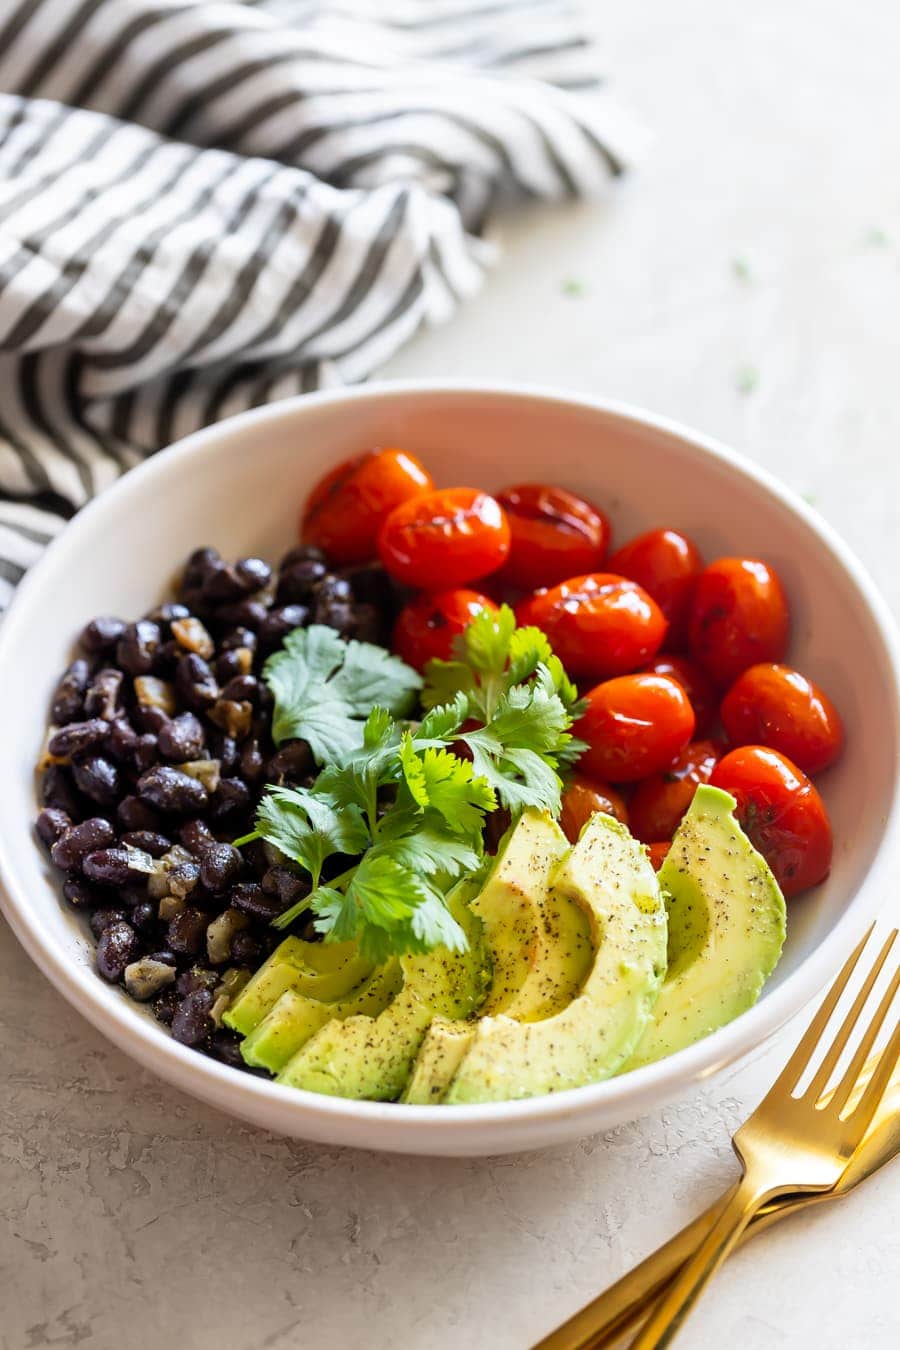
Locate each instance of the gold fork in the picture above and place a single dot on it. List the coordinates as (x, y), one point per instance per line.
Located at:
(792, 1143)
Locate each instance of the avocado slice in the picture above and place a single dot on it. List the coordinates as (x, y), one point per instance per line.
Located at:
(440, 1055)
(323, 970)
(608, 874)
(726, 928)
(370, 1057)
(294, 1018)
(540, 940)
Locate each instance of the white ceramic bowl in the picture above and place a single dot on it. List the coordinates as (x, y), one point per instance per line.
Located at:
(239, 486)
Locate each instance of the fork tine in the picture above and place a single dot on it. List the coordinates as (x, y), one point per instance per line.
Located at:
(848, 1082)
(838, 1045)
(787, 1079)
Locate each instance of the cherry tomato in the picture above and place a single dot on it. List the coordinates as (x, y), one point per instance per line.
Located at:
(658, 850)
(599, 625)
(634, 726)
(344, 511)
(782, 813)
(444, 539)
(426, 627)
(667, 565)
(776, 706)
(739, 616)
(581, 798)
(696, 684)
(659, 802)
(554, 535)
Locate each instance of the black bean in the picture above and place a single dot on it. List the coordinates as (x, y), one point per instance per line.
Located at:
(80, 893)
(149, 841)
(192, 1022)
(219, 867)
(253, 574)
(102, 697)
(102, 633)
(231, 797)
(58, 791)
(242, 614)
(145, 752)
(301, 553)
(116, 949)
(238, 637)
(51, 823)
(222, 585)
(149, 719)
(79, 840)
(197, 567)
(136, 649)
(225, 1046)
(187, 931)
(168, 611)
(252, 764)
(222, 747)
(165, 1006)
(337, 615)
(164, 957)
(101, 919)
(255, 856)
(195, 682)
(196, 836)
(296, 583)
(250, 898)
(371, 585)
(227, 666)
(121, 740)
(182, 878)
(98, 778)
(241, 689)
(370, 625)
(294, 761)
(169, 789)
(133, 814)
(281, 621)
(335, 589)
(68, 700)
(110, 866)
(197, 977)
(144, 917)
(245, 948)
(166, 658)
(288, 885)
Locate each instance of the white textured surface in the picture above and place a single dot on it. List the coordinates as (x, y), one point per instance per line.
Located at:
(130, 1216)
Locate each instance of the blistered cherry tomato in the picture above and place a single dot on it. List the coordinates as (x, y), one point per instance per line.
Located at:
(667, 565)
(739, 616)
(426, 627)
(634, 726)
(554, 535)
(581, 798)
(696, 684)
(444, 539)
(776, 706)
(659, 802)
(599, 625)
(782, 813)
(658, 850)
(345, 509)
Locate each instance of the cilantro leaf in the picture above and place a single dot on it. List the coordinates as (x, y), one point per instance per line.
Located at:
(426, 843)
(309, 828)
(443, 781)
(324, 688)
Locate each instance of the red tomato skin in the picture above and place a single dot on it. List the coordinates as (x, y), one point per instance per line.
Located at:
(345, 509)
(554, 535)
(426, 627)
(600, 625)
(739, 617)
(696, 684)
(667, 564)
(776, 706)
(444, 539)
(781, 811)
(658, 850)
(581, 798)
(659, 802)
(634, 726)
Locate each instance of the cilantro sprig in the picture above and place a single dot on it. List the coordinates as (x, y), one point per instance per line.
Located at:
(396, 815)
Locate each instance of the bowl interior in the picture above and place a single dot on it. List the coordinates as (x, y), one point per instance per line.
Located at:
(240, 486)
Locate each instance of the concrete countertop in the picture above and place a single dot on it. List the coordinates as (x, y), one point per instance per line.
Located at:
(746, 281)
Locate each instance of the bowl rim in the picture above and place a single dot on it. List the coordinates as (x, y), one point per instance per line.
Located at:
(640, 1089)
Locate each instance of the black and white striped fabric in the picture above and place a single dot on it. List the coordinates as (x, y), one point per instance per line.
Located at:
(206, 206)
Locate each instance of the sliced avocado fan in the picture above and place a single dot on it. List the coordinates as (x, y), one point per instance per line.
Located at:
(370, 1057)
(323, 970)
(440, 1055)
(726, 928)
(609, 876)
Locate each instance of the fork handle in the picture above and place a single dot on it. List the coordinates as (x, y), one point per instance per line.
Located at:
(665, 1320)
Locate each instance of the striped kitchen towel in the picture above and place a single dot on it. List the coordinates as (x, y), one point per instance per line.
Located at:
(206, 206)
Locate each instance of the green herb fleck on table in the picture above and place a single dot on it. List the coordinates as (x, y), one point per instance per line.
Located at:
(747, 379)
(574, 288)
(743, 271)
(876, 237)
